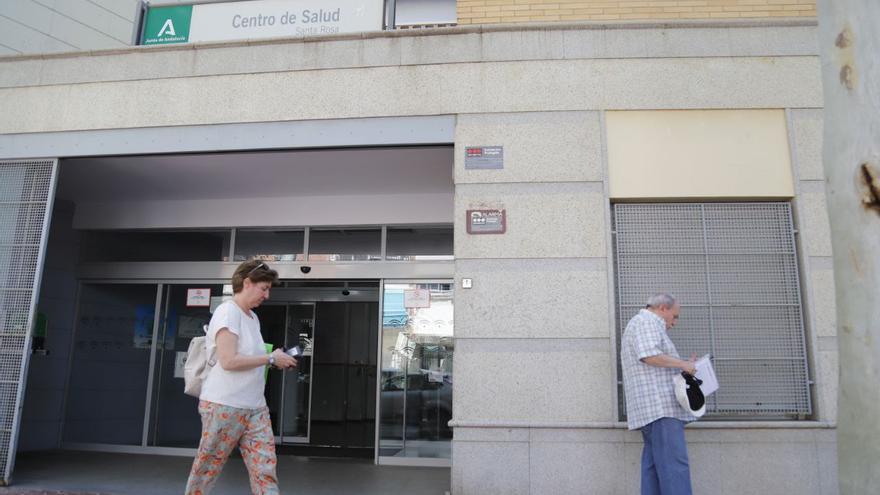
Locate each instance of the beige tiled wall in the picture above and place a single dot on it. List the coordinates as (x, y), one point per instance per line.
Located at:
(506, 11)
(748, 151)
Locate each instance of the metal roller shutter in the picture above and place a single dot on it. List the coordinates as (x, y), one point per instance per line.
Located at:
(733, 268)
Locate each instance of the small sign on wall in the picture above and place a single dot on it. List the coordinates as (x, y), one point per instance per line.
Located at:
(483, 157)
(417, 298)
(486, 221)
(198, 298)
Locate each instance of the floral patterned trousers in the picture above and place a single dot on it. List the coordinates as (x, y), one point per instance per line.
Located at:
(224, 427)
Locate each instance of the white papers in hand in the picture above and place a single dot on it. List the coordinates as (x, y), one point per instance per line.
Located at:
(706, 373)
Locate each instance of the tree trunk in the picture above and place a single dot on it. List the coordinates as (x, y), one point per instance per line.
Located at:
(849, 47)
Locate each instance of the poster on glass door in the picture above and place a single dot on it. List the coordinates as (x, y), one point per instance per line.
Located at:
(417, 298)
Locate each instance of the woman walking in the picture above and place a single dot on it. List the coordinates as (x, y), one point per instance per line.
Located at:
(232, 403)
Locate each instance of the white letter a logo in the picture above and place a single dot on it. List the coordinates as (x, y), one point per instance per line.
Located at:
(167, 27)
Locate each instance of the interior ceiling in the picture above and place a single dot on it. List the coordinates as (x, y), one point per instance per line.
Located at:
(337, 172)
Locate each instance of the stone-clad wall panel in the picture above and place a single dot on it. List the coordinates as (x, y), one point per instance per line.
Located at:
(460, 88)
(533, 298)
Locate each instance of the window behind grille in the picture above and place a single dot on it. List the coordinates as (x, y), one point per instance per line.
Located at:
(733, 268)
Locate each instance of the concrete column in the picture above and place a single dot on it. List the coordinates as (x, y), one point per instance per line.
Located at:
(533, 335)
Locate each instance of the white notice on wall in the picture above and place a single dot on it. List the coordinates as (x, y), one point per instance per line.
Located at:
(417, 298)
(198, 298)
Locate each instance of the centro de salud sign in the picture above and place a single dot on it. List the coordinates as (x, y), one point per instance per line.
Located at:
(259, 19)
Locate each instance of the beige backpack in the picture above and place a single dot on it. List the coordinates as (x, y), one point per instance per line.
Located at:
(197, 365)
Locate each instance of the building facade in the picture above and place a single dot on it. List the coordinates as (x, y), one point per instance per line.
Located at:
(680, 152)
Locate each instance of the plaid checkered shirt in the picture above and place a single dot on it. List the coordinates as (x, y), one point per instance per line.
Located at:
(648, 389)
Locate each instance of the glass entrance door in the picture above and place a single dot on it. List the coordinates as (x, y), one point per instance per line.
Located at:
(288, 393)
(174, 417)
(416, 384)
(106, 395)
(344, 409)
(327, 405)
(126, 384)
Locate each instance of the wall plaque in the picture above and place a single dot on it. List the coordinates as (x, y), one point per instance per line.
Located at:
(483, 157)
(486, 221)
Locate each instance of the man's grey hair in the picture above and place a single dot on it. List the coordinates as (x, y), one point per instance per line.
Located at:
(661, 299)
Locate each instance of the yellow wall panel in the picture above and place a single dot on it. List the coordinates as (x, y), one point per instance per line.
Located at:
(698, 154)
(610, 10)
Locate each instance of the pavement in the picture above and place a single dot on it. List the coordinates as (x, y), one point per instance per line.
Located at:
(61, 472)
(44, 492)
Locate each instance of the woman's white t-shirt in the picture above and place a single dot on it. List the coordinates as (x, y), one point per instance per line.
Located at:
(243, 389)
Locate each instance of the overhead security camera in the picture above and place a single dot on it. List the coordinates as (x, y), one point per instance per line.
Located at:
(345, 292)
(305, 269)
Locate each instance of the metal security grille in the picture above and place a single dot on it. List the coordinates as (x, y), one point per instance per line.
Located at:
(26, 192)
(733, 267)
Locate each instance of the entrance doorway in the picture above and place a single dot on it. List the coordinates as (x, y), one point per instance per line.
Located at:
(166, 208)
(375, 380)
(327, 405)
(324, 407)
(336, 224)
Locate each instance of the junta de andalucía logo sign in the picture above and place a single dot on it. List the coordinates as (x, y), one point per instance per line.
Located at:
(167, 25)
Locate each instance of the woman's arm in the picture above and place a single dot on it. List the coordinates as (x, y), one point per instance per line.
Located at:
(231, 360)
(228, 356)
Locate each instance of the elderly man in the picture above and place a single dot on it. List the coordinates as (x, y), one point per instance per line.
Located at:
(649, 362)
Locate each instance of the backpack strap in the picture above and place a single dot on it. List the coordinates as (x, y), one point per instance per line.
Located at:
(210, 353)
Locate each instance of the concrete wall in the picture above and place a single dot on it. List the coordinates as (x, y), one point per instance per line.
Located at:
(725, 459)
(543, 420)
(508, 11)
(535, 405)
(459, 71)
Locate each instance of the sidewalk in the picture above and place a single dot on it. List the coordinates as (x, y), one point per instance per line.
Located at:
(43, 492)
(102, 473)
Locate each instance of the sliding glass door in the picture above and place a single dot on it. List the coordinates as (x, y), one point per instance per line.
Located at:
(174, 419)
(107, 391)
(288, 393)
(126, 380)
(415, 389)
(126, 377)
